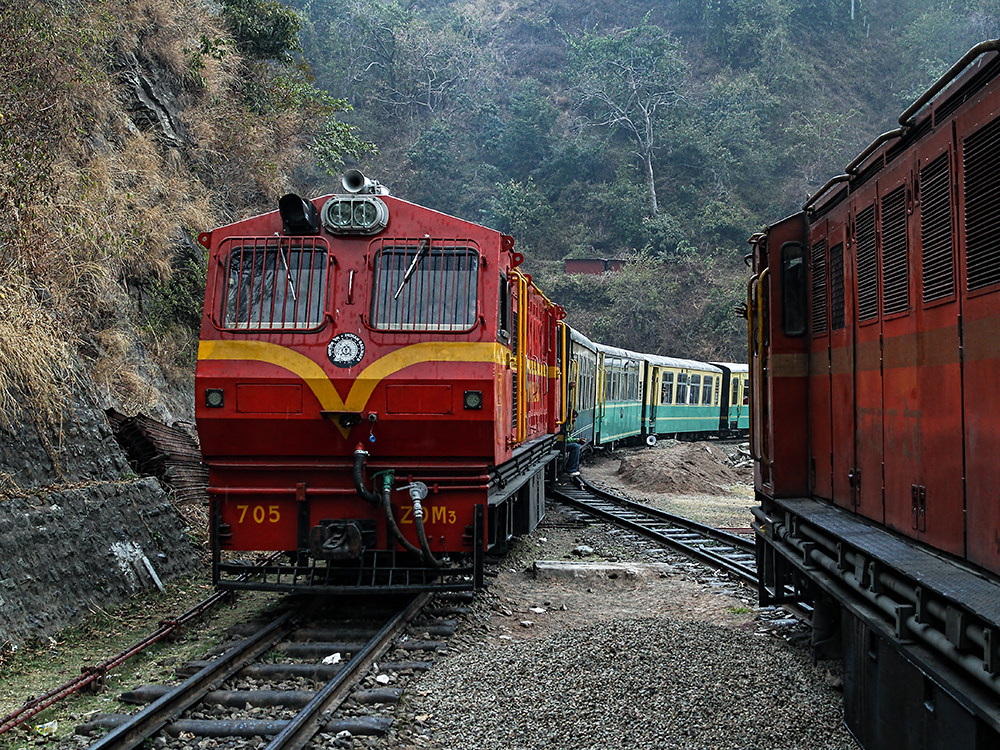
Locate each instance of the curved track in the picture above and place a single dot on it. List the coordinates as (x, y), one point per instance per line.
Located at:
(283, 634)
(716, 548)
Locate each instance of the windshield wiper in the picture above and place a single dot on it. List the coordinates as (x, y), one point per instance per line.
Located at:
(425, 243)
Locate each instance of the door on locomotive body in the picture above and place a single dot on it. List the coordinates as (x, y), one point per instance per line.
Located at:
(820, 427)
(780, 340)
(902, 447)
(842, 355)
(978, 164)
(940, 515)
(867, 331)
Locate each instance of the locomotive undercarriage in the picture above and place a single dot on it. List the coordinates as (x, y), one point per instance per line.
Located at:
(921, 649)
(340, 556)
(396, 571)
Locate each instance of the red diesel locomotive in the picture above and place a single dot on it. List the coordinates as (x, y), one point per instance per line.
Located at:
(875, 368)
(378, 394)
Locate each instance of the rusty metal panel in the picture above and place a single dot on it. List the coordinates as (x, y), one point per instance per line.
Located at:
(820, 428)
(978, 189)
(902, 433)
(868, 413)
(842, 355)
(940, 495)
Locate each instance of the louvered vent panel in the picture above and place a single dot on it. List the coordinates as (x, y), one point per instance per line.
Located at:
(867, 265)
(837, 286)
(982, 206)
(937, 248)
(818, 271)
(895, 276)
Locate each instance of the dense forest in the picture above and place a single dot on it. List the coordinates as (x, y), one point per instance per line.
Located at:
(665, 135)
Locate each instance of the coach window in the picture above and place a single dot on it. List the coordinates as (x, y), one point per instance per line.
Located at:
(422, 286)
(273, 284)
(695, 391)
(793, 289)
(667, 388)
(682, 388)
(736, 392)
(707, 386)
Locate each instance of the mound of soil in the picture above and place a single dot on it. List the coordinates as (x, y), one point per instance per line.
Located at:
(683, 468)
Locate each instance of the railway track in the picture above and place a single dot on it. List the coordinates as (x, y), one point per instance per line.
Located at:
(714, 547)
(243, 689)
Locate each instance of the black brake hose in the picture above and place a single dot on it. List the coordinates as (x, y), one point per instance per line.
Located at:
(359, 476)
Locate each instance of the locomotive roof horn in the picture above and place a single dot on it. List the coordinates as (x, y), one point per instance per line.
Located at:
(354, 181)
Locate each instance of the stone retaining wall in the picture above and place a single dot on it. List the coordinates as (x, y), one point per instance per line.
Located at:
(76, 523)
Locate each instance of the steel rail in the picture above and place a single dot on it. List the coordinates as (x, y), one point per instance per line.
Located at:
(160, 712)
(94, 676)
(698, 548)
(300, 730)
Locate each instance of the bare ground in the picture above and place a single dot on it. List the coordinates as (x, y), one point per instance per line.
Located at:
(694, 479)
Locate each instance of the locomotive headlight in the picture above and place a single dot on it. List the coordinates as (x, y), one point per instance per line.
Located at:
(355, 214)
(365, 214)
(473, 399)
(340, 214)
(214, 398)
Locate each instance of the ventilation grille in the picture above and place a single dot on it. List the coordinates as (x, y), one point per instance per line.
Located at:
(969, 89)
(867, 265)
(819, 287)
(937, 250)
(837, 287)
(831, 203)
(866, 174)
(982, 206)
(895, 273)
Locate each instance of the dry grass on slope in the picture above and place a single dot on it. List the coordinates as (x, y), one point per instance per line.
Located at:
(101, 205)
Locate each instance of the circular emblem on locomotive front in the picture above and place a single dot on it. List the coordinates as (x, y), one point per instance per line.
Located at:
(346, 350)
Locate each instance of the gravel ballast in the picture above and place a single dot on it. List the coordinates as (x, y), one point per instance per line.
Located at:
(680, 657)
(633, 683)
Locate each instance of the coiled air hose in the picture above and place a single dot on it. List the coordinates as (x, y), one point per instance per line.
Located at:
(418, 517)
(360, 454)
(418, 491)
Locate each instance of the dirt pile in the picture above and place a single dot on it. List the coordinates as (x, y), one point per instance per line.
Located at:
(683, 468)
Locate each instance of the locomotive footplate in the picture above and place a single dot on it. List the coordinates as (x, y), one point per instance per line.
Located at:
(920, 632)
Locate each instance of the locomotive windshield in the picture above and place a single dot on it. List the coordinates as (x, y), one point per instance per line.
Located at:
(425, 287)
(272, 284)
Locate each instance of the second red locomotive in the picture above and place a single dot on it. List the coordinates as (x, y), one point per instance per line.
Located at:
(379, 393)
(875, 364)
